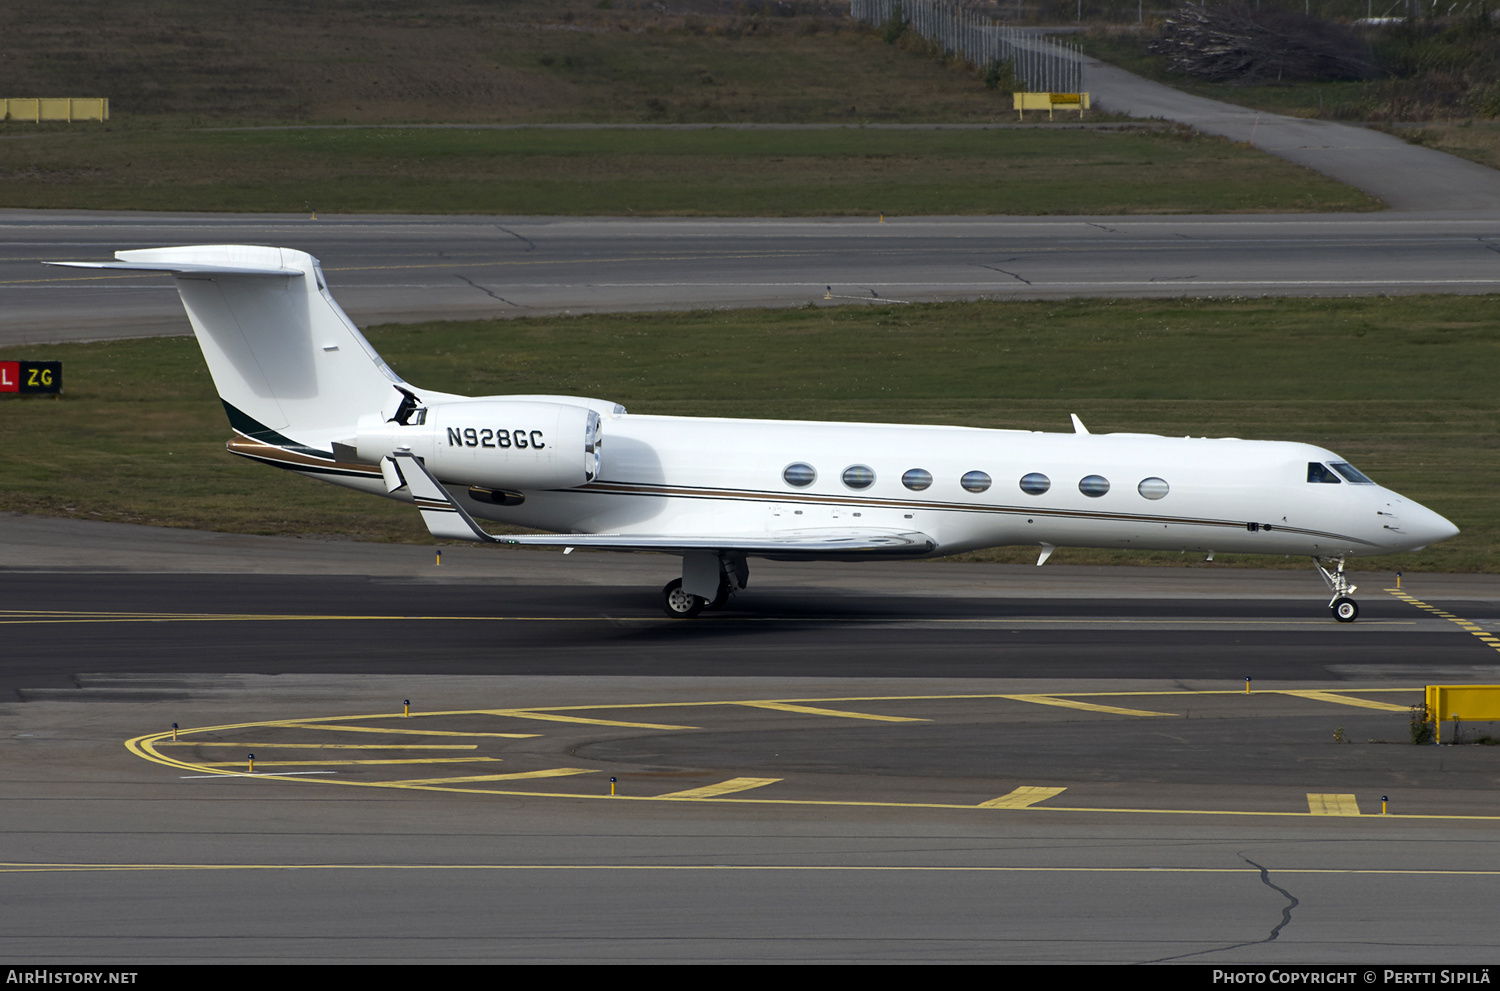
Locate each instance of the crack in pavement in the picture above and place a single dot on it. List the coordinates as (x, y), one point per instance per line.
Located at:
(1002, 271)
(1286, 918)
(529, 245)
(487, 292)
(1286, 911)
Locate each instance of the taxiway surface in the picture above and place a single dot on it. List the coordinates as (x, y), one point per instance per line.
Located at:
(918, 762)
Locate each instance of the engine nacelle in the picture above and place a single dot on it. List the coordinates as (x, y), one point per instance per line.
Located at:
(494, 442)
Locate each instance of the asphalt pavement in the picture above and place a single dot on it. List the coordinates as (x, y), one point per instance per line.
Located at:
(385, 268)
(512, 757)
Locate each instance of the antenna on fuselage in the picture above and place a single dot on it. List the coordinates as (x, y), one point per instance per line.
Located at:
(1078, 427)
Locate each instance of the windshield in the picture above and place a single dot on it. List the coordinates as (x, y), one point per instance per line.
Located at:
(1350, 472)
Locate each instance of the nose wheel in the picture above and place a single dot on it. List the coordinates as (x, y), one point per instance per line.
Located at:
(681, 604)
(1342, 605)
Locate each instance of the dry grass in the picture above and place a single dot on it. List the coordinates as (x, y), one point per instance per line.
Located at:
(717, 172)
(382, 61)
(1478, 141)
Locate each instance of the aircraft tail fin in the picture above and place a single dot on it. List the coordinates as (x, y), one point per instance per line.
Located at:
(285, 358)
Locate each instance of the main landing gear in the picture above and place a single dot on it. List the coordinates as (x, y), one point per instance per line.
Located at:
(1342, 606)
(698, 574)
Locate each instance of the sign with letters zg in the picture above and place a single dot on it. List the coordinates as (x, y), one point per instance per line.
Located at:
(43, 377)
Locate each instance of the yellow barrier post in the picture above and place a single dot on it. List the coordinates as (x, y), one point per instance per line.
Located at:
(1022, 102)
(67, 109)
(250, 761)
(1444, 703)
(611, 787)
(406, 708)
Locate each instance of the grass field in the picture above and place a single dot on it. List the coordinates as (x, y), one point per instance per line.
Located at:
(1478, 141)
(1403, 387)
(175, 72)
(520, 61)
(632, 172)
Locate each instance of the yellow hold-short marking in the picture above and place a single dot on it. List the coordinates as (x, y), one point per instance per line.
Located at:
(1331, 805)
(722, 788)
(1022, 798)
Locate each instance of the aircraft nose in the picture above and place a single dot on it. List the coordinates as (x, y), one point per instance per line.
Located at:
(1427, 527)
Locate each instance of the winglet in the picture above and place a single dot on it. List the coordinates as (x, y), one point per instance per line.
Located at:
(1078, 427)
(446, 519)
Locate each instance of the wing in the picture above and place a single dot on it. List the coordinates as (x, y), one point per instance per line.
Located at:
(852, 541)
(446, 519)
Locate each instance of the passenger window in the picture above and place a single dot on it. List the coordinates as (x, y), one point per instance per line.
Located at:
(1093, 486)
(1317, 473)
(975, 481)
(1035, 483)
(859, 477)
(1153, 488)
(917, 479)
(799, 474)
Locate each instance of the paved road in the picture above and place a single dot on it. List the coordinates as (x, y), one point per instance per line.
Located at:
(1404, 176)
(412, 268)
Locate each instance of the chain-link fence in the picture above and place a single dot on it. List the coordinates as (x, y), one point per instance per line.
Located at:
(1040, 63)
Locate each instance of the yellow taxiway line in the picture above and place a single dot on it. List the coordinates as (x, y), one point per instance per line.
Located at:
(1022, 799)
(722, 788)
(808, 710)
(1483, 635)
(1342, 700)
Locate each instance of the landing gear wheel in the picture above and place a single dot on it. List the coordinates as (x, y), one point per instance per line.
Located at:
(679, 604)
(1344, 609)
(721, 598)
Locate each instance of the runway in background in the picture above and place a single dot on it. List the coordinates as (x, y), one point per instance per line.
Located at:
(385, 268)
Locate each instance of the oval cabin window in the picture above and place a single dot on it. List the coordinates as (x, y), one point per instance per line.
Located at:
(1094, 486)
(917, 479)
(1153, 488)
(800, 475)
(1035, 483)
(975, 481)
(859, 476)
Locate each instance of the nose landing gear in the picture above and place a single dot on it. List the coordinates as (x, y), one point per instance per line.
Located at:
(1342, 605)
(680, 603)
(732, 573)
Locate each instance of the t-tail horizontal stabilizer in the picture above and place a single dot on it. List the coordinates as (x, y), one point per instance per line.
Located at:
(446, 519)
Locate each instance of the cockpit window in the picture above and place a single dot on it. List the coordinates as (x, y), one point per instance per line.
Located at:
(1350, 472)
(1318, 473)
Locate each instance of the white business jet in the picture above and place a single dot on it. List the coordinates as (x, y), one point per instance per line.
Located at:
(306, 392)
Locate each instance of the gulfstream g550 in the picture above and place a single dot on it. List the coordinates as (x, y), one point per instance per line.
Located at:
(306, 392)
